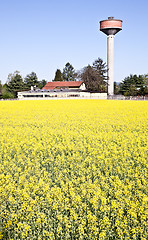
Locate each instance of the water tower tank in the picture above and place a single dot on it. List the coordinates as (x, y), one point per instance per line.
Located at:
(110, 26)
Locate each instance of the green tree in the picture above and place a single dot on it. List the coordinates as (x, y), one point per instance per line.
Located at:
(69, 73)
(145, 77)
(116, 88)
(101, 68)
(14, 83)
(95, 77)
(0, 89)
(133, 85)
(5, 93)
(31, 80)
(42, 83)
(58, 76)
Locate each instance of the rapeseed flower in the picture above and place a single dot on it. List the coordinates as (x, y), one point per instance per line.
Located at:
(73, 169)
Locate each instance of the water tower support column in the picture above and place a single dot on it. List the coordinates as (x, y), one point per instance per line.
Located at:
(110, 64)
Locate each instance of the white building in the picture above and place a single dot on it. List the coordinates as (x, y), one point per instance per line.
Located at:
(71, 89)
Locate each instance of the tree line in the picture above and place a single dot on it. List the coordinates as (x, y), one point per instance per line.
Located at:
(15, 83)
(94, 76)
(133, 85)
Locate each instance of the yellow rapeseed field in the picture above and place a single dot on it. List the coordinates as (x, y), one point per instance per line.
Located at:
(73, 169)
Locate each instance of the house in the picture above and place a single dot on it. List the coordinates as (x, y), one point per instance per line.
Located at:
(59, 89)
(73, 85)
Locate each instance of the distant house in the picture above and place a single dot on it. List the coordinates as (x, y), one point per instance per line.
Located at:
(59, 89)
(74, 85)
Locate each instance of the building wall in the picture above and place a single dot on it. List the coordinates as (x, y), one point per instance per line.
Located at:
(50, 95)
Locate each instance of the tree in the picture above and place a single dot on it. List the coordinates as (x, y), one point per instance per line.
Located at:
(94, 76)
(133, 85)
(101, 68)
(0, 89)
(116, 88)
(5, 93)
(69, 73)
(31, 80)
(14, 83)
(145, 77)
(42, 83)
(58, 75)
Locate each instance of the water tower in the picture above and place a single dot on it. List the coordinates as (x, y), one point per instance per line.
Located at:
(110, 27)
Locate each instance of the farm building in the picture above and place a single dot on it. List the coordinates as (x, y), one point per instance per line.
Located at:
(61, 90)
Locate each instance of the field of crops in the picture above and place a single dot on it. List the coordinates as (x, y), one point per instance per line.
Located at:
(73, 169)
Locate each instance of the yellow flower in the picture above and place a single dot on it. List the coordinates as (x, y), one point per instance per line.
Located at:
(73, 169)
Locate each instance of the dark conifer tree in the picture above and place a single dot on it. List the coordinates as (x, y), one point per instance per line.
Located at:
(69, 73)
(58, 75)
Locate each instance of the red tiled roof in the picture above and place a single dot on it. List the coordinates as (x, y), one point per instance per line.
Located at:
(53, 85)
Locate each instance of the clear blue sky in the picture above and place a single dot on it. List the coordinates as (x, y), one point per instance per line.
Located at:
(43, 35)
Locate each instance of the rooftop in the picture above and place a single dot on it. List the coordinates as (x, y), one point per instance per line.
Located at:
(62, 84)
